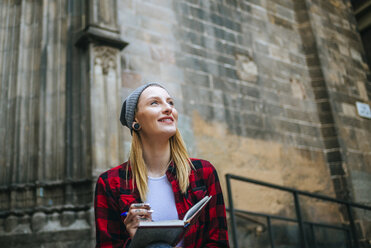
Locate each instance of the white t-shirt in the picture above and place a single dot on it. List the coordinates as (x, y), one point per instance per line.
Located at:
(160, 196)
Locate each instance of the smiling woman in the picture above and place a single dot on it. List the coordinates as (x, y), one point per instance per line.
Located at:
(160, 181)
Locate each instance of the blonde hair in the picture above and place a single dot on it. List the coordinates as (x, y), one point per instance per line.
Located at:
(178, 153)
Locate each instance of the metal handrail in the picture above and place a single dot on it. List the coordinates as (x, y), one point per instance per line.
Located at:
(296, 193)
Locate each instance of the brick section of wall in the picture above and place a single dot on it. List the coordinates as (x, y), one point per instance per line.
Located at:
(347, 77)
(244, 66)
(239, 65)
(328, 128)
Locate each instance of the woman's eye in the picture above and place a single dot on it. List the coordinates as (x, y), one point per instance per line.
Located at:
(154, 102)
(171, 103)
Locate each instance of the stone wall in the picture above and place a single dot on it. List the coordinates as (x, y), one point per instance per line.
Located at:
(347, 78)
(48, 136)
(252, 85)
(265, 89)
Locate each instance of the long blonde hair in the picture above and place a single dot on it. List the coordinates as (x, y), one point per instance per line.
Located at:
(178, 153)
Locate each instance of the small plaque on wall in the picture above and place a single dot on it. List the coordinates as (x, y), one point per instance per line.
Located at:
(363, 110)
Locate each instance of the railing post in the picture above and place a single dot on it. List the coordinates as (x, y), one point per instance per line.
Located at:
(300, 220)
(313, 235)
(352, 226)
(270, 233)
(349, 239)
(231, 211)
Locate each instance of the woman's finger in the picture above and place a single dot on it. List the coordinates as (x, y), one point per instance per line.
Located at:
(140, 205)
(143, 214)
(133, 213)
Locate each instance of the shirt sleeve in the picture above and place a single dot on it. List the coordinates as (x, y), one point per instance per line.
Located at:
(215, 219)
(110, 230)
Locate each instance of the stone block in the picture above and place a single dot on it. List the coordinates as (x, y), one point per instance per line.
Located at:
(350, 121)
(232, 25)
(320, 93)
(285, 12)
(227, 72)
(216, 19)
(194, 25)
(253, 120)
(195, 50)
(198, 13)
(10, 223)
(297, 59)
(333, 156)
(247, 68)
(181, 8)
(362, 90)
(222, 47)
(361, 182)
(307, 142)
(245, 7)
(250, 91)
(336, 169)
(196, 64)
(224, 35)
(331, 142)
(324, 107)
(310, 131)
(255, 2)
(67, 218)
(160, 12)
(272, 109)
(280, 22)
(287, 126)
(197, 79)
(300, 115)
(328, 131)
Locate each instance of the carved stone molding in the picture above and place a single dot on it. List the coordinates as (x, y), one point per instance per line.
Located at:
(105, 57)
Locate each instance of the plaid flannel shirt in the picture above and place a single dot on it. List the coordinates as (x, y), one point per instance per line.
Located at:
(114, 194)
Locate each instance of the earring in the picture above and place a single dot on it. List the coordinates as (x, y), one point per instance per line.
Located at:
(136, 126)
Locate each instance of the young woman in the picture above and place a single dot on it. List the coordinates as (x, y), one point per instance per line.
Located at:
(159, 172)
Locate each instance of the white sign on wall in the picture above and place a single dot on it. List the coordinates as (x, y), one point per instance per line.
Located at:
(363, 110)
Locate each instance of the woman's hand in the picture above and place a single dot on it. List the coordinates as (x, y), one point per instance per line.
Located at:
(137, 212)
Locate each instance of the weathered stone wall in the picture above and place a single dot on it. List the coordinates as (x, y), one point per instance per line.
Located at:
(265, 89)
(347, 78)
(46, 182)
(251, 77)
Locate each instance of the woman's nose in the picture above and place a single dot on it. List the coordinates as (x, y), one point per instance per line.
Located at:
(168, 109)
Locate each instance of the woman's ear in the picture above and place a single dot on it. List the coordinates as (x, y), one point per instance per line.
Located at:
(136, 126)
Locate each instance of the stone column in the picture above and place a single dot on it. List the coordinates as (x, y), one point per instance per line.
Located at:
(32, 105)
(101, 39)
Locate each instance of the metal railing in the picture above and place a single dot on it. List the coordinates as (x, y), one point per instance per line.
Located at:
(350, 229)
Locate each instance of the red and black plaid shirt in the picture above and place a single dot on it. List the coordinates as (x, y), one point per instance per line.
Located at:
(114, 194)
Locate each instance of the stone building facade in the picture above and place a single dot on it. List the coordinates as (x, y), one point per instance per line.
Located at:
(266, 89)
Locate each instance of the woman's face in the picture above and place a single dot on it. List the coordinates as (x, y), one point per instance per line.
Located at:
(156, 113)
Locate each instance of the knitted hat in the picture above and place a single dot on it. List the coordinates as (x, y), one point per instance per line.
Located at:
(130, 104)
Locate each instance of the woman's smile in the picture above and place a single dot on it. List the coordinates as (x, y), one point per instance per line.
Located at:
(167, 119)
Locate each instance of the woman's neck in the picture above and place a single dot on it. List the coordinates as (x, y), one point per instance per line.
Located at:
(156, 156)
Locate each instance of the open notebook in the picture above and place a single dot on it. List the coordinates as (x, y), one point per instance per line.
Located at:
(168, 231)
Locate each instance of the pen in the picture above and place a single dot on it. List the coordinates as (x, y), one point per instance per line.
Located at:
(124, 214)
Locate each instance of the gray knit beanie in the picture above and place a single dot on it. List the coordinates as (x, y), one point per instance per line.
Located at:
(130, 104)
